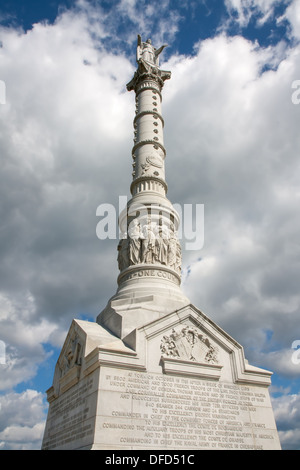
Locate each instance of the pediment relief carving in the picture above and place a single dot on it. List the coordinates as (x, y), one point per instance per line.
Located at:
(189, 343)
(72, 354)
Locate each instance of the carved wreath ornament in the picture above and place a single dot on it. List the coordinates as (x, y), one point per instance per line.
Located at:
(189, 344)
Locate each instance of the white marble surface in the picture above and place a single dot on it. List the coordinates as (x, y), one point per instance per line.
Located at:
(198, 393)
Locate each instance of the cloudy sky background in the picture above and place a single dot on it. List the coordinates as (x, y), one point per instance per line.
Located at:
(233, 144)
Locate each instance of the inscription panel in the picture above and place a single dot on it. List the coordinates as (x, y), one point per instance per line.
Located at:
(71, 417)
(142, 410)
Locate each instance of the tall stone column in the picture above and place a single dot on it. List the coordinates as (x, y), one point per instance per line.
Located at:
(149, 252)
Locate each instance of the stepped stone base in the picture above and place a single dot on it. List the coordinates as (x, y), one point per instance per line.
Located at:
(183, 383)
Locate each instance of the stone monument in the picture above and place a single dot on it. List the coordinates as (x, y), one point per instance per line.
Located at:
(154, 372)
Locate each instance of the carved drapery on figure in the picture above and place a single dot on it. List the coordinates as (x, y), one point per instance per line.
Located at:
(123, 254)
(150, 243)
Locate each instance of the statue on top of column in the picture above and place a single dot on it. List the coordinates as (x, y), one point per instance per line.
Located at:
(146, 52)
(147, 57)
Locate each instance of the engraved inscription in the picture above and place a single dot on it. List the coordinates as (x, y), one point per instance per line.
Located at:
(68, 417)
(175, 412)
(149, 273)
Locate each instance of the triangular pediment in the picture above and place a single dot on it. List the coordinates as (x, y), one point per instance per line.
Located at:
(188, 336)
(82, 339)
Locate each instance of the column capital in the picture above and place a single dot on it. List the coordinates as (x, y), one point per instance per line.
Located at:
(148, 73)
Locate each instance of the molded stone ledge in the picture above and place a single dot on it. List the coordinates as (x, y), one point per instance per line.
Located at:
(51, 395)
(173, 366)
(108, 356)
(246, 374)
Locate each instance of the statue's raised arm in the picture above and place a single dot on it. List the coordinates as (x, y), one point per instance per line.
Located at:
(139, 48)
(159, 50)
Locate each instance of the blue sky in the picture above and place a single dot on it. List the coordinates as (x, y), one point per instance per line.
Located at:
(232, 139)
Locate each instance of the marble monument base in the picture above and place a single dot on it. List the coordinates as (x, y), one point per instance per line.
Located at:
(182, 384)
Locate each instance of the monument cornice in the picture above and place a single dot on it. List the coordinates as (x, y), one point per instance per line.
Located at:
(146, 72)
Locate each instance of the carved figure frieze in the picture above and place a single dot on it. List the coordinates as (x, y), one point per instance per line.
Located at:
(189, 343)
(123, 253)
(150, 242)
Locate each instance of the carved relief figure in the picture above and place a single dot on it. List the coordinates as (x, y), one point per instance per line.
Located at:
(172, 249)
(123, 259)
(163, 244)
(134, 233)
(149, 235)
(150, 243)
(168, 347)
(178, 257)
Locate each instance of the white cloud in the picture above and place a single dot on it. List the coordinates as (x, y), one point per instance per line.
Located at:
(156, 19)
(233, 133)
(292, 14)
(60, 119)
(287, 415)
(22, 420)
(282, 361)
(243, 10)
(23, 336)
